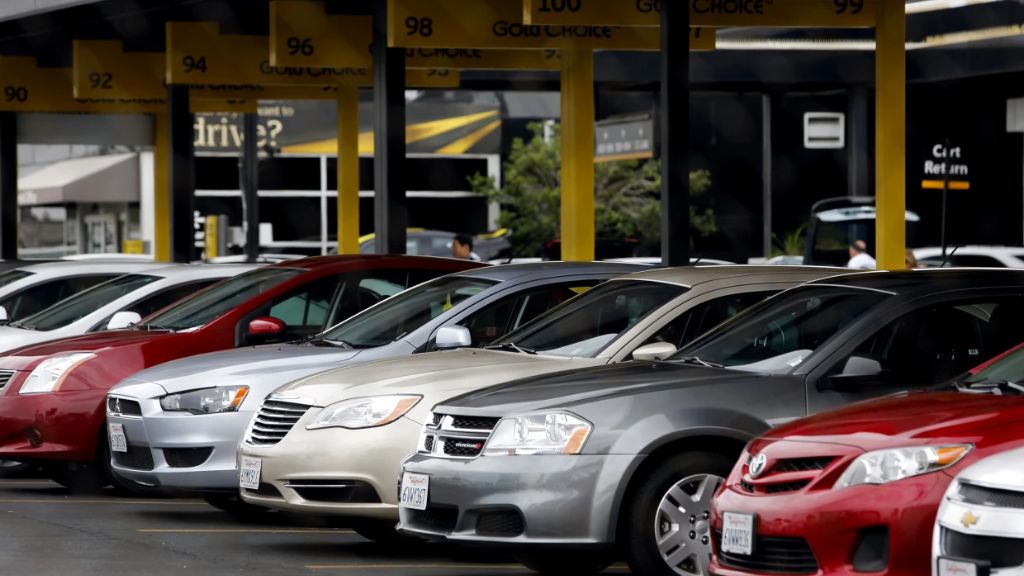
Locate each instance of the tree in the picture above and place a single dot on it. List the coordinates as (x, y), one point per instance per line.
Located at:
(627, 196)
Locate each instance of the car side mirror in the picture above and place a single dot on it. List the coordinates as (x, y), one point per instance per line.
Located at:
(265, 328)
(3, 315)
(654, 351)
(123, 319)
(858, 372)
(450, 337)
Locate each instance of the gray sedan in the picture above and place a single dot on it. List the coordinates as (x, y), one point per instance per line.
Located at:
(488, 302)
(631, 454)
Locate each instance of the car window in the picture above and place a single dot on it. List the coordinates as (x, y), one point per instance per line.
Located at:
(499, 318)
(221, 299)
(304, 310)
(1009, 368)
(164, 298)
(39, 297)
(369, 289)
(703, 317)
(584, 326)
(406, 312)
(976, 260)
(84, 303)
(934, 343)
(13, 276)
(780, 334)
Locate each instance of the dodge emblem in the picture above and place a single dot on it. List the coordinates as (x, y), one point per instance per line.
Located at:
(757, 465)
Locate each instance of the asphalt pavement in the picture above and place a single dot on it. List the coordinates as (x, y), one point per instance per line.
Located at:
(46, 531)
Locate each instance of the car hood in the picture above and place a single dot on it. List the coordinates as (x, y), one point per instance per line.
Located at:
(26, 357)
(909, 419)
(568, 389)
(279, 363)
(1000, 471)
(12, 338)
(442, 374)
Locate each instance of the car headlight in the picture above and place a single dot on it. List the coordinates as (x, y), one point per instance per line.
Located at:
(364, 412)
(884, 466)
(544, 433)
(206, 400)
(50, 373)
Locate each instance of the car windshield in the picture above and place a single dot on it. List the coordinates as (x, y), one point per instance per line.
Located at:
(1006, 369)
(213, 303)
(82, 304)
(780, 334)
(585, 325)
(13, 276)
(405, 312)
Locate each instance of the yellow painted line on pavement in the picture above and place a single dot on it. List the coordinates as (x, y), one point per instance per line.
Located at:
(242, 531)
(469, 140)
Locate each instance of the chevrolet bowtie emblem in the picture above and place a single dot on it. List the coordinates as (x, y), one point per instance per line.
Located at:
(969, 519)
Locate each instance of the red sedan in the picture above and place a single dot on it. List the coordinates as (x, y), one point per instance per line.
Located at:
(856, 490)
(52, 394)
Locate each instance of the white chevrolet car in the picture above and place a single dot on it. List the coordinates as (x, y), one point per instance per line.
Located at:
(333, 443)
(980, 526)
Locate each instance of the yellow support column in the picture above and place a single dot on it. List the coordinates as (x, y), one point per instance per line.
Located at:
(348, 170)
(161, 189)
(577, 155)
(890, 135)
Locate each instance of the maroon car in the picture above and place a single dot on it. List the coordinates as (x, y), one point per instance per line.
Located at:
(52, 394)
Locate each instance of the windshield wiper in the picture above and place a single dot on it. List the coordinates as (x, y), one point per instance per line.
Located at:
(22, 326)
(698, 361)
(513, 347)
(327, 342)
(152, 328)
(997, 387)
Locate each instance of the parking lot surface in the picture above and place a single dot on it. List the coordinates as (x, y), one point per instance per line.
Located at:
(45, 531)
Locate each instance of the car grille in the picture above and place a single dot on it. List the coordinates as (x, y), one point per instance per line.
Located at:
(973, 494)
(136, 458)
(1001, 552)
(456, 436)
(273, 422)
(506, 523)
(338, 491)
(435, 519)
(186, 457)
(5, 377)
(801, 465)
(123, 406)
(772, 555)
(265, 491)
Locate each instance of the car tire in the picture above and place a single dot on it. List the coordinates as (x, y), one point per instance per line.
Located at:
(562, 563)
(383, 532)
(79, 477)
(234, 506)
(671, 505)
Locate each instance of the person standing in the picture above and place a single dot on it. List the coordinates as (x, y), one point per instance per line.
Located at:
(462, 248)
(859, 257)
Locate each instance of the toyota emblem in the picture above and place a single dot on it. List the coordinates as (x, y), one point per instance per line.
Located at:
(757, 465)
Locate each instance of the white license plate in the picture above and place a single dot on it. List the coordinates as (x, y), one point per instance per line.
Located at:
(118, 441)
(951, 567)
(249, 473)
(414, 491)
(738, 533)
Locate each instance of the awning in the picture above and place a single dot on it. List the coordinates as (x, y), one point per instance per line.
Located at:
(96, 179)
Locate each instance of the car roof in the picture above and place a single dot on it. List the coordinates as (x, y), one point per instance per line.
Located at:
(694, 275)
(189, 271)
(343, 260)
(76, 266)
(538, 270)
(972, 250)
(926, 281)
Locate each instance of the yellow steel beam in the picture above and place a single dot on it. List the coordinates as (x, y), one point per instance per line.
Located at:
(890, 136)
(348, 170)
(212, 237)
(577, 155)
(161, 188)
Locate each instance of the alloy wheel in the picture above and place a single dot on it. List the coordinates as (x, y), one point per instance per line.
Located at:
(682, 524)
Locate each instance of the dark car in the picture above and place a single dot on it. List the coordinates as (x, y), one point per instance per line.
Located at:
(633, 453)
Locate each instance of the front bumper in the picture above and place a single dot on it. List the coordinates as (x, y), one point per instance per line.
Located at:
(313, 471)
(61, 426)
(519, 500)
(176, 449)
(835, 524)
(981, 533)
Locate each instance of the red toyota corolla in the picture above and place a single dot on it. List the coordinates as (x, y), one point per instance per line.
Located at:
(856, 490)
(52, 394)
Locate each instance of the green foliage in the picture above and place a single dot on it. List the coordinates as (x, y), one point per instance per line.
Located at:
(790, 244)
(626, 204)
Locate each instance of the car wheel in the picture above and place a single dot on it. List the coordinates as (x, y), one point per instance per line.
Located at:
(79, 477)
(667, 531)
(236, 507)
(563, 563)
(13, 468)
